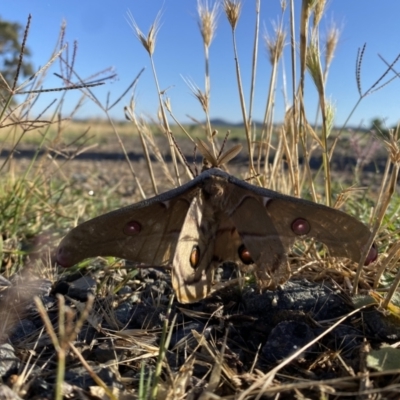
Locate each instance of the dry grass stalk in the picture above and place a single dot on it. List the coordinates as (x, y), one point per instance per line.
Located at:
(151, 142)
(387, 189)
(254, 62)
(67, 333)
(149, 45)
(313, 64)
(232, 10)
(207, 25)
(167, 103)
(130, 113)
(387, 264)
(275, 47)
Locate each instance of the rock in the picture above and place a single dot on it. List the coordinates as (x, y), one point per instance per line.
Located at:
(81, 288)
(9, 363)
(285, 339)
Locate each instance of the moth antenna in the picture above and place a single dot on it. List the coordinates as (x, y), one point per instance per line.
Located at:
(250, 178)
(228, 132)
(181, 153)
(196, 171)
(230, 154)
(207, 154)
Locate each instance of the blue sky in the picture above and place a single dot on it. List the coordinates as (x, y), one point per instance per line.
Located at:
(106, 39)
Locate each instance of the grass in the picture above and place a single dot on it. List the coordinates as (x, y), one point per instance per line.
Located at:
(43, 197)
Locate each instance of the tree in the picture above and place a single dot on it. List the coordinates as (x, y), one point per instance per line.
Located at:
(11, 34)
(378, 125)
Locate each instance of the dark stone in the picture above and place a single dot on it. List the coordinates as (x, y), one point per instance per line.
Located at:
(124, 312)
(125, 290)
(81, 288)
(40, 388)
(60, 287)
(22, 329)
(140, 315)
(9, 363)
(285, 339)
(321, 301)
(186, 330)
(80, 377)
(385, 327)
(87, 334)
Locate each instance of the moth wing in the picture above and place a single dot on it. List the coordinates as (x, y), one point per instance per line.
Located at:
(344, 235)
(193, 265)
(269, 223)
(265, 242)
(146, 232)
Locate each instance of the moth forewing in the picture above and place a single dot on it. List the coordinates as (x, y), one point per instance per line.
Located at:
(146, 233)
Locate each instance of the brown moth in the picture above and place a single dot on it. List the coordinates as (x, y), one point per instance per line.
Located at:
(211, 219)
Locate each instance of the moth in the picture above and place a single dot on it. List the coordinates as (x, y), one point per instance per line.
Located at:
(211, 219)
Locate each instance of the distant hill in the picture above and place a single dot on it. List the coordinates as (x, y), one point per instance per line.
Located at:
(223, 122)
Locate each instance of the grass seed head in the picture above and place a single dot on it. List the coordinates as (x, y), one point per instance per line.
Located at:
(207, 21)
(202, 97)
(314, 65)
(149, 41)
(319, 9)
(275, 44)
(167, 104)
(330, 112)
(232, 10)
(392, 144)
(332, 39)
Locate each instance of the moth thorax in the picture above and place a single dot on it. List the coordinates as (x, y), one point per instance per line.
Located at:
(215, 189)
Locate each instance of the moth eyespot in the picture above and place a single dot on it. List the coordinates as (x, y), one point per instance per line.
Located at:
(244, 255)
(194, 257)
(132, 228)
(300, 226)
(372, 255)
